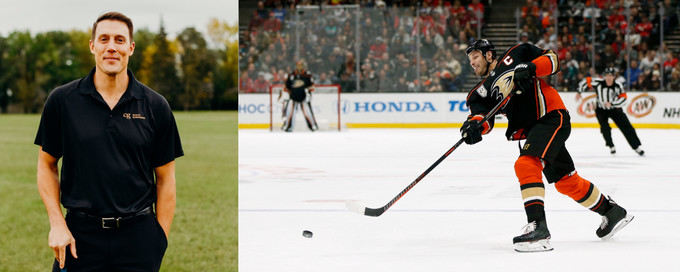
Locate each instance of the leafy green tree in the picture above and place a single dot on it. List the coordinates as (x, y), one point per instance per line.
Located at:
(4, 76)
(28, 57)
(143, 38)
(61, 57)
(39, 64)
(196, 69)
(162, 69)
(191, 72)
(228, 75)
(81, 56)
(225, 75)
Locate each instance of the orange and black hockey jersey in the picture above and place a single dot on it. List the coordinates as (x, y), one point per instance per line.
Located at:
(522, 110)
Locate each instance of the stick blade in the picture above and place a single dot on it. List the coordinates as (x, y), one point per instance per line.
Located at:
(374, 212)
(354, 206)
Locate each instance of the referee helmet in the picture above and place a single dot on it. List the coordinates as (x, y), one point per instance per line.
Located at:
(609, 71)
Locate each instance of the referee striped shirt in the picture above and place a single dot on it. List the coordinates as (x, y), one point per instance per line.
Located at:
(613, 94)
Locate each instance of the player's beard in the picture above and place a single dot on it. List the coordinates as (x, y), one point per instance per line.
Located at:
(486, 69)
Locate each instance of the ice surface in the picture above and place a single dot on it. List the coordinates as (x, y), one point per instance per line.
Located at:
(461, 217)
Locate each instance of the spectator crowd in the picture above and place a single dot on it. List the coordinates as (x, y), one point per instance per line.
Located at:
(402, 46)
(596, 35)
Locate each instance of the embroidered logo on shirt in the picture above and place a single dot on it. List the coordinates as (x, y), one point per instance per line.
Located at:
(133, 116)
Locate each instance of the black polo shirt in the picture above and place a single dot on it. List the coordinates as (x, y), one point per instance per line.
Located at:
(109, 156)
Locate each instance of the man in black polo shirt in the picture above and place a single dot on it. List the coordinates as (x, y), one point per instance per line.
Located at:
(118, 140)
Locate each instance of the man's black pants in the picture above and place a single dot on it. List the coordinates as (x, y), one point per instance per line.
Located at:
(135, 246)
(621, 120)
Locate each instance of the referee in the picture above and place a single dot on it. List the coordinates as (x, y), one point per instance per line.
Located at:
(118, 142)
(610, 99)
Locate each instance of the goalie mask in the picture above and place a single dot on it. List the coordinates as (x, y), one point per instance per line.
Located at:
(300, 66)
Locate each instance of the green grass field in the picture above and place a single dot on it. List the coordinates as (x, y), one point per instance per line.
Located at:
(204, 235)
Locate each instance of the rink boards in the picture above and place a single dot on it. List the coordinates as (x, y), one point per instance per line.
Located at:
(432, 110)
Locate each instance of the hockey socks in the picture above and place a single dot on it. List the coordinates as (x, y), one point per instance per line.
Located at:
(528, 170)
(583, 192)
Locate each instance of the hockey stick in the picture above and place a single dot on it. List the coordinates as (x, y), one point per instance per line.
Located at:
(356, 207)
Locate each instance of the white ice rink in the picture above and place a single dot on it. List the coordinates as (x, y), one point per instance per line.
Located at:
(461, 217)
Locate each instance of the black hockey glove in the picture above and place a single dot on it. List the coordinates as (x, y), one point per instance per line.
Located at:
(524, 76)
(471, 132)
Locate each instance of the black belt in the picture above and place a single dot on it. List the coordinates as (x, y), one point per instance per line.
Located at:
(113, 222)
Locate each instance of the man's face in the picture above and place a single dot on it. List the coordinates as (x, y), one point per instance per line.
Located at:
(478, 62)
(112, 47)
(609, 79)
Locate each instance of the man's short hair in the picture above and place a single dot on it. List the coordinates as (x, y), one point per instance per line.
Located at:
(116, 16)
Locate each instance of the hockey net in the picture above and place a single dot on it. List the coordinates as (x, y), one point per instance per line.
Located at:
(325, 100)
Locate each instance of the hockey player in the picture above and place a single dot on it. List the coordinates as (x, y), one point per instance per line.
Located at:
(299, 86)
(537, 115)
(610, 99)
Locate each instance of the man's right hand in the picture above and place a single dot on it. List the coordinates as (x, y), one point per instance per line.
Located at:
(59, 238)
(471, 131)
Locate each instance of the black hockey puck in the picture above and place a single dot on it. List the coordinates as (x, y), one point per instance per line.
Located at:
(307, 234)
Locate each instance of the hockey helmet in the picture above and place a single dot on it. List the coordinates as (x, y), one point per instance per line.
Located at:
(482, 45)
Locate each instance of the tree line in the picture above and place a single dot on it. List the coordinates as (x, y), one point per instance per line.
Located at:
(190, 74)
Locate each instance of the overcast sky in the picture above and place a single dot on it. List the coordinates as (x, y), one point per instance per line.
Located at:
(45, 15)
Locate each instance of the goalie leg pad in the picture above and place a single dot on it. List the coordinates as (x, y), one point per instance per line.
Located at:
(290, 108)
(309, 115)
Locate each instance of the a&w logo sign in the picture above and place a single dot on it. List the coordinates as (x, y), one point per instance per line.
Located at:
(641, 105)
(587, 106)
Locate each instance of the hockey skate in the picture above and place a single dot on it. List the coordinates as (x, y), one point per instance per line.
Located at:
(536, 238)
(613, 220)
(640, 151)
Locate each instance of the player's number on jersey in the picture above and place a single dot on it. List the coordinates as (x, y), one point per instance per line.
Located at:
(507, 60)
